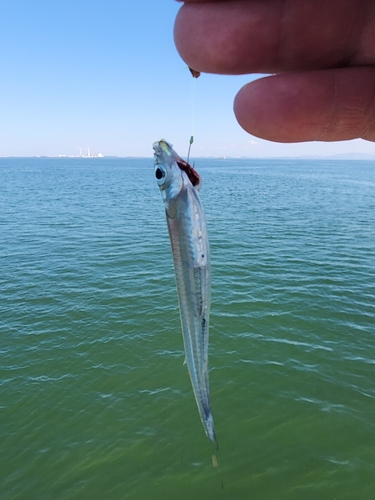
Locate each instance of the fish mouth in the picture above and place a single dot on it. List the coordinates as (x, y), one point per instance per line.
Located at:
(163, 146)
(164, 153)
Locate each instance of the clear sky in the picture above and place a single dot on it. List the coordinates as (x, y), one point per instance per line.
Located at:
(105, 74)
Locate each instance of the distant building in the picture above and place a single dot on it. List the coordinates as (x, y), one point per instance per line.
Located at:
(89, 154)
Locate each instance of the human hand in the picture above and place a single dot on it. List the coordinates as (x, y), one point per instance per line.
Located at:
(321, 52)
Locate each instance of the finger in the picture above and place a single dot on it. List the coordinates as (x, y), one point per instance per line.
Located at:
(269, 36)
(330, 105)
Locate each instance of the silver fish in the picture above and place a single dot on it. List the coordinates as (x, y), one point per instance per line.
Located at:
(179, 184)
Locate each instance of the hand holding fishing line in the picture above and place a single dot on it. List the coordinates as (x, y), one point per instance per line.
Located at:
(321, 52)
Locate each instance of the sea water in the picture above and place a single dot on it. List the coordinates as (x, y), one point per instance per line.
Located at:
(95, 402)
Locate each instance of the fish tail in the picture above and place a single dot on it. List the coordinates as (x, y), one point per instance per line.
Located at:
(210, 430)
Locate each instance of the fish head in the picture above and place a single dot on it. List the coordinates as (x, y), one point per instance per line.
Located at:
(171, 171)
(168, 174)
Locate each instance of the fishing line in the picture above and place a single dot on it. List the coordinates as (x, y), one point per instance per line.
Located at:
(192, 114)
(190, 143)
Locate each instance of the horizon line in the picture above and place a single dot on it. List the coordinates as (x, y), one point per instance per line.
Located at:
(340, 156)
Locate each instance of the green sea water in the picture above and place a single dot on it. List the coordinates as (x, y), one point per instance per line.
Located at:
(95, 402)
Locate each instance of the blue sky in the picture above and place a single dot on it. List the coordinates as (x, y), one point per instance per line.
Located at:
(105, 74)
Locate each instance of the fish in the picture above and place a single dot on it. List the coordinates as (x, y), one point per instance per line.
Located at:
(179, 184)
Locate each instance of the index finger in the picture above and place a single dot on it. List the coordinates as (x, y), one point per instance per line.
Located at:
(270, 36)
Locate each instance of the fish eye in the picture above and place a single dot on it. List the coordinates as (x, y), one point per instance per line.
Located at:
(160, 174)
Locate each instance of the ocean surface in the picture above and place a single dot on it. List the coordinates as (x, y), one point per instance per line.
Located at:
(95, 402)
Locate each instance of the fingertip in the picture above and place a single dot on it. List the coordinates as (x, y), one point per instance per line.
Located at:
(275, 109)
(328, 105)
(182, 36)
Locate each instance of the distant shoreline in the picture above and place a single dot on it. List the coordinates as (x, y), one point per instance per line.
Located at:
(342, 156)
